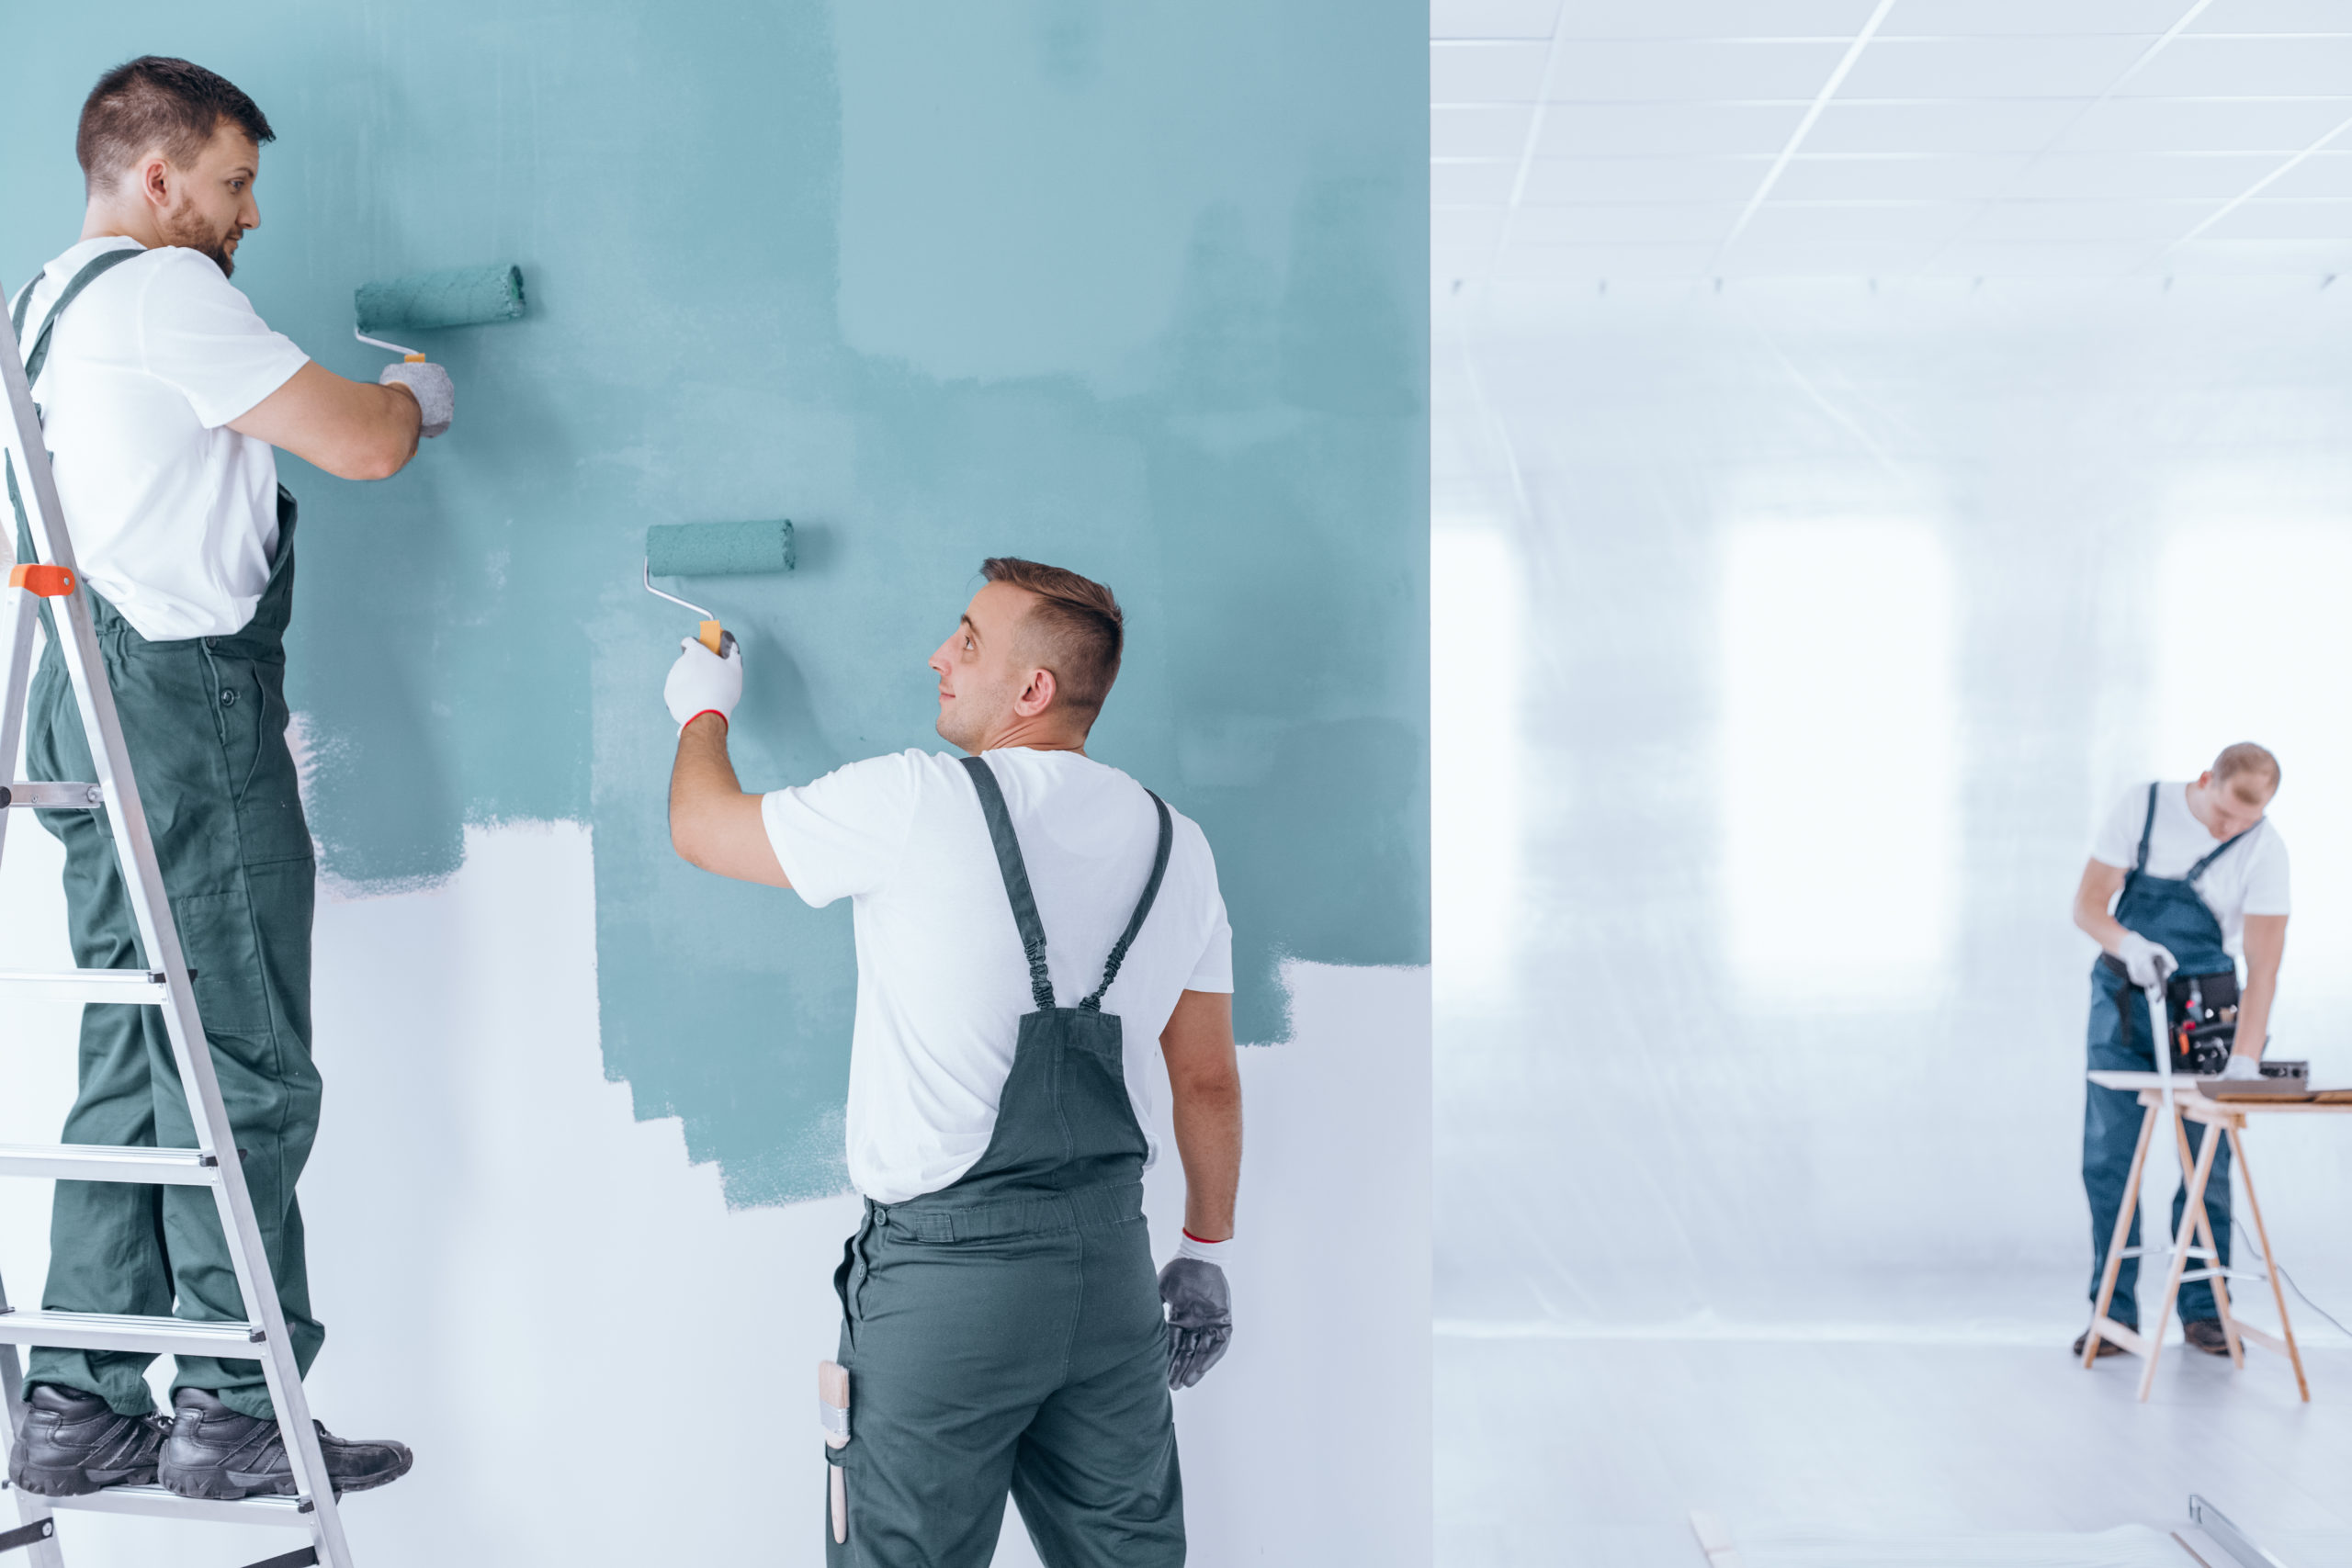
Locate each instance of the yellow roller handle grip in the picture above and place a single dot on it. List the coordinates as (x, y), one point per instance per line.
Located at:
(711, 635)
(416, 359)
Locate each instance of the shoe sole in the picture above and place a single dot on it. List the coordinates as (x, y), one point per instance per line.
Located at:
(230, 1486)
(74, 1483)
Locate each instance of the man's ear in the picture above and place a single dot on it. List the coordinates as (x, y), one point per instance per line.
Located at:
(1037, 696)
(155, 176)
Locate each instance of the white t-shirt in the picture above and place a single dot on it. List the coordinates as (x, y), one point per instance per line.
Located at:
(2250, 880)
(173, 515)
(942, 982)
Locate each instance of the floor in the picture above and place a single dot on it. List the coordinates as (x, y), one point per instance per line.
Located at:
(1595, 1451)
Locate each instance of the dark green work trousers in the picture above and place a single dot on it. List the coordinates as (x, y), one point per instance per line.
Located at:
(205, 721)
(1029, 1359)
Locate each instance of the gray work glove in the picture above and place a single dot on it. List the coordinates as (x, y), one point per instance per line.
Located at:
(2242, 1067)
(1199, 1318)
(431, 385)
(2147, 963)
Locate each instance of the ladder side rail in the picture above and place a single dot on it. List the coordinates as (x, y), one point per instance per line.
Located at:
(150, 906)
(17, 621)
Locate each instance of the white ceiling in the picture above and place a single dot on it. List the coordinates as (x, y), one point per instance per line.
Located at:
(1580, 140)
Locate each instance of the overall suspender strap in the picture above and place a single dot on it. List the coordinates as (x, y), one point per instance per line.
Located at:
(37, 356)
(92, 270)
(2147, 829)
(1143, 906)
(2199, 869)
(1016, 878)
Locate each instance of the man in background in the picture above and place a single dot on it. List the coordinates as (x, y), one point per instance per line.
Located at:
(2195, 877)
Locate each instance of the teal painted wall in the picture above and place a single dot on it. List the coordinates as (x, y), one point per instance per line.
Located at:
(1137, 289)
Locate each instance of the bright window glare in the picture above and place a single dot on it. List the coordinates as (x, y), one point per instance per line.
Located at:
(2251, 642)
(1839, 719)
(1474, 657)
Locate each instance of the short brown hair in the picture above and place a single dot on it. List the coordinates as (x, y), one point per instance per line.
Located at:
(2245, 757)
(1079, 627)
(157, 101)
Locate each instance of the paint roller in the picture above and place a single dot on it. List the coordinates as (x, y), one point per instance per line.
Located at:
(715, 550)
(457, 297)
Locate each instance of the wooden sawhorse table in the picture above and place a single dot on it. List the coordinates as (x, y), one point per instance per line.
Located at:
(2222, 1118)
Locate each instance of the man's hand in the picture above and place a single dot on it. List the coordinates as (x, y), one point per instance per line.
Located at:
(436, 397)
(2147, 963)
(2242, 1067)
(1199, 1318)
(701, 681)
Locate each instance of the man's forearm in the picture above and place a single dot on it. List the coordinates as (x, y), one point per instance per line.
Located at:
(2098, 925)
(2254, 1013)
(1208, 1139)
(713, 824)
(703, 775)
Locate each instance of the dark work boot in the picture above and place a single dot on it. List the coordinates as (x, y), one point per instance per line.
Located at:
(2206, 1334)
(2105, 1347)
(72, 1443)
(215, 1452)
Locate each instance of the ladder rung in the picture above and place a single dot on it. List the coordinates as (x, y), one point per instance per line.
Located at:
(158, 1502)
(140, 986)
(97, 1162)
(105, 1331)
(52, 796)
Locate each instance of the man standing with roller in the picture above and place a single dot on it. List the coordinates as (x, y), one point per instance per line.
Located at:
(2196, 874)
(1002, 1328)
(162, 395)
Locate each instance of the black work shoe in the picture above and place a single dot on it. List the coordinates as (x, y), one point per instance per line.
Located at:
(215, 1452)
(2105, 1347)
(72, 1443)
(2205, 1333)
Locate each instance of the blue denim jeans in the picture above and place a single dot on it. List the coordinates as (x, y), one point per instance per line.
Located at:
(2111, 1131)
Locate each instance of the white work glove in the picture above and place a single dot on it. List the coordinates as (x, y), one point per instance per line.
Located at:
(429, 384)
(2243, 1067)
(1199, 1310)
(701, 681)
(2144, 961)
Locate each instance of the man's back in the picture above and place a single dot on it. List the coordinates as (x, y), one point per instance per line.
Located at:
(173, 514)
(943, 979)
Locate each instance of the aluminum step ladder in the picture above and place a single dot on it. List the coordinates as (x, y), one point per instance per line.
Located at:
(56, 576)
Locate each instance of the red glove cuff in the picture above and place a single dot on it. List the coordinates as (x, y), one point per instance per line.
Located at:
(715, 713)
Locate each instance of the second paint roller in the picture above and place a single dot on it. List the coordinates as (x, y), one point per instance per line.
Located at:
(715, 550)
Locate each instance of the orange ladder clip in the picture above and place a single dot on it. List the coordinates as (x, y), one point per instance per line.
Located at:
(48, 581)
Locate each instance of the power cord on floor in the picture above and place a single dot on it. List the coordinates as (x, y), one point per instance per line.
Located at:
(2272, 1264)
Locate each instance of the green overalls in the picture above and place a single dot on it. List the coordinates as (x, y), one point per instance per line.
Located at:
(1004, 1334)
(205, 721)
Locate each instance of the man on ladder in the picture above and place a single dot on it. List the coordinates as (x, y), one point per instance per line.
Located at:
(2196, 874)
(162, 395)
(1002, 1328)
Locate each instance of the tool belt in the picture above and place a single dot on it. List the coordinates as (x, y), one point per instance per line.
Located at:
(2200, 1009)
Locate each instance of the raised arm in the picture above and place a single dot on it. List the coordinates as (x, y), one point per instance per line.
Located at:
(351, 429)
(1205, 1083)
(713, 824)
